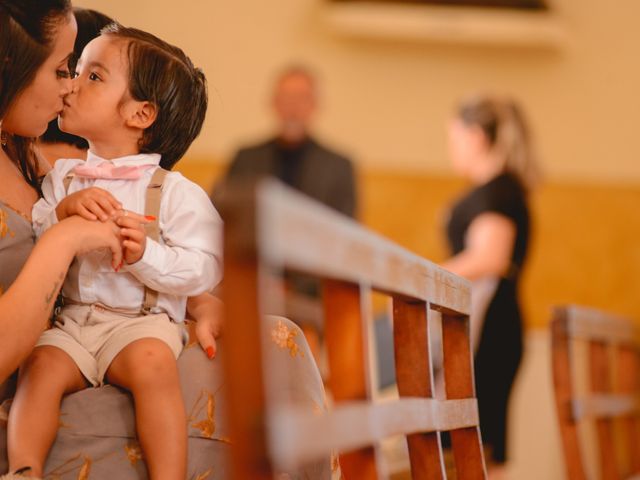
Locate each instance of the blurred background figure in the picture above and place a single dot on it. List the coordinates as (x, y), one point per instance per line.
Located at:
(296, 158)
(54, 143)
(488, 233)
(293, 155)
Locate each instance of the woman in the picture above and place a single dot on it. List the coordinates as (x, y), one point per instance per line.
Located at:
(36, 42)
(488, 232)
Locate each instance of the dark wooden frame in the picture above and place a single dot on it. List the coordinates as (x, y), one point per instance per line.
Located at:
(269, 227)
(613, 352)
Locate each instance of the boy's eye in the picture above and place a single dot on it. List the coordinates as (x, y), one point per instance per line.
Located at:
(94, 76)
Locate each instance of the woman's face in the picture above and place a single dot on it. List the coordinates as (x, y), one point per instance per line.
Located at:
(41, 101)
(466, 145)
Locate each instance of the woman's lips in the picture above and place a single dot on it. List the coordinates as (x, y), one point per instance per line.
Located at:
(65, 107)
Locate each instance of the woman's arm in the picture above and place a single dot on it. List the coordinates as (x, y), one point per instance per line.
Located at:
(26, 306)
(488, 248)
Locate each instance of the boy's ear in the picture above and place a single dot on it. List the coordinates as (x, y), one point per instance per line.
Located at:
(141, 115)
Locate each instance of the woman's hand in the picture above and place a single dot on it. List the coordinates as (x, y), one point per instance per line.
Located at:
(207, 311)
(84, 236)
(90, 203)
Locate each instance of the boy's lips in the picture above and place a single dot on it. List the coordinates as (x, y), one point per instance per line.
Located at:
(65, 108)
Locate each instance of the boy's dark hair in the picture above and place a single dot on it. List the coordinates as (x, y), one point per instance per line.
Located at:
(163, 75)
(90, 23)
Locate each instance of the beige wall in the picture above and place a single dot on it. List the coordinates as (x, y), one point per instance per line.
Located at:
(584, 246)
(385, 101)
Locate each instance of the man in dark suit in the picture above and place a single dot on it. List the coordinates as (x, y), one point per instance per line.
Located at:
(296, 158)
(292, 154)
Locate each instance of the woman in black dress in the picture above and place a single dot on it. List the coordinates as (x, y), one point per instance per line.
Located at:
(488, 232)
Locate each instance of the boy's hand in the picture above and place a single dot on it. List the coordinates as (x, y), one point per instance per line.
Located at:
(134, 237)
(207, 311)
(90, 203)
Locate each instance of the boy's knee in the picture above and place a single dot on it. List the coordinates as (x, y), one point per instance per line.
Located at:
(48, 369)
(152, 366)
(40, 360)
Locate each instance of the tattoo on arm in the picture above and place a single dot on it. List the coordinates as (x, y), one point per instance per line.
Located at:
(54, 292)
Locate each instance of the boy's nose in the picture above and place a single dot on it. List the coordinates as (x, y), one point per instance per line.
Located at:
(70, 85)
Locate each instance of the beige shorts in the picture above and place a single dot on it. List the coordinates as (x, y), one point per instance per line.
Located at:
(92, 335)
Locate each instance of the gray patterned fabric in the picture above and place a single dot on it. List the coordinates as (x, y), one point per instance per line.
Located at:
(97, 435)
(16, 242)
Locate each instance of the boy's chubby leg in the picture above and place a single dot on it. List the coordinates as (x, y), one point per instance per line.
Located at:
(46, 375)
(147, 368)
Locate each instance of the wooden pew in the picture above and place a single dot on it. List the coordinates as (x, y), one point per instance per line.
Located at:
(611, 345)
(270, 229)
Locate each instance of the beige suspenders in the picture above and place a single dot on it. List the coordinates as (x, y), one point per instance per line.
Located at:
(67, 181)
(151, 208)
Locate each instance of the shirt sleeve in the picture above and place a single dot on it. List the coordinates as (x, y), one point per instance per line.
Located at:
(43, 214)
(188, 261)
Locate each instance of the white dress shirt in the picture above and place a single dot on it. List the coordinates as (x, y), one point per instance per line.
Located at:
(186, 262)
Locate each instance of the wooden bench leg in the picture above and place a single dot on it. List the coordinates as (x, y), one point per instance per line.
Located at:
(344, 330)
(415, 379)
(459, 383)
(243, 357)
(600, 376)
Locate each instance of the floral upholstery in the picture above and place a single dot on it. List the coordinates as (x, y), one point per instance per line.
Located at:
(97, 439)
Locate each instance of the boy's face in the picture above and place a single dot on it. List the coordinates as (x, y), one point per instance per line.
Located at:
(96, 109)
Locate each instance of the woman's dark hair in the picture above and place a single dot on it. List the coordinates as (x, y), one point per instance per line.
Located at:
(27, 30)
(90, 23)
(164, 76)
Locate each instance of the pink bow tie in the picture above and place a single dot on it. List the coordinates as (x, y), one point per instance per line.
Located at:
(110, 171)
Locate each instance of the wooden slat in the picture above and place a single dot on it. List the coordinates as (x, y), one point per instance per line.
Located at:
(299, 234)
(353, 425)
(459, 383)
(604, 406)
(415, 379)
(592, 324)
(629, 383)
(563, 388)
(245, 400)
(601, 383)
(347, 355)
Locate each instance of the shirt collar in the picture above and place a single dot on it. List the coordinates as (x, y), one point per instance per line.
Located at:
(138, 160)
